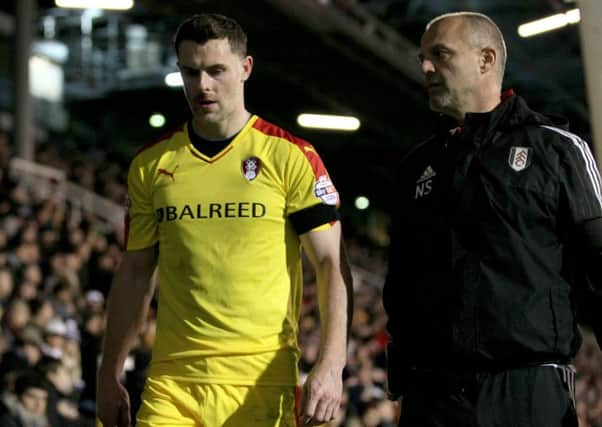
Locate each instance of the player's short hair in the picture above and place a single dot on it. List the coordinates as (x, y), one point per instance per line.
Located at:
(201, 28)
(483, 32)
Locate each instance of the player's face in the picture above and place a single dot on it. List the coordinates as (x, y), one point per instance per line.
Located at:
(451, 68)
(214, 79)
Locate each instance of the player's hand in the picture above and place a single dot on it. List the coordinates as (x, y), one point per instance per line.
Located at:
(321, 395)
(112, 403)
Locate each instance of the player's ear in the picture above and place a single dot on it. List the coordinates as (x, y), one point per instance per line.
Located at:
(247, 67)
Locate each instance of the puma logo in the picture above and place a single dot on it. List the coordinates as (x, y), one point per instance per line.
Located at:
(168, 173)
(308, 148)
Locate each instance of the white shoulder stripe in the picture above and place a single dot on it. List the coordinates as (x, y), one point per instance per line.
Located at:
(590, 163)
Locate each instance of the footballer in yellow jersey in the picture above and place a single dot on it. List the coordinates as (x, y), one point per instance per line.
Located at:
(229, 257)
(223, 207)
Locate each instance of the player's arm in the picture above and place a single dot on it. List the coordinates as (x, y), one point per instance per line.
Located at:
(324, 385)
(345, 266)
(128, 302)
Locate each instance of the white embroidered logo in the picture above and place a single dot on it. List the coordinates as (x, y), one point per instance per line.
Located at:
(250, 168)
(520, 158)
(424, 184)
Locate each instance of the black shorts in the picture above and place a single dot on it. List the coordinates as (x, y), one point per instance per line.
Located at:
(537, 396)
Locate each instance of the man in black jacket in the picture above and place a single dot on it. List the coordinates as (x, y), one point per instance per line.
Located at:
(484, 265)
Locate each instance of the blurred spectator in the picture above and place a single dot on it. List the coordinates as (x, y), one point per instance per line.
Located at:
(6, 286)
(32, 273)
(3, 238)
(103, 263)
(5, 151)
(62, 397)
(95, 301)
(140, 359)
(63, 295)
(26, 405)
(72, 354)
(589, 382)
(92, 332)
(363, 391)
(41, 312)
(22, 356)
(54, 338)
(15, 318)
(379, 413)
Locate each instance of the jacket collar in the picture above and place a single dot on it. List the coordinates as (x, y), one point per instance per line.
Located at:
(510, 112)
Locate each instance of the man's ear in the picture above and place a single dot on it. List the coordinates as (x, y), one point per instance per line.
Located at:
(247, 67)
(488, 59)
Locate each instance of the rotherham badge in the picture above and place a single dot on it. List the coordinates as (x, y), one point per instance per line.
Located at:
(250, 168)
(520, 158)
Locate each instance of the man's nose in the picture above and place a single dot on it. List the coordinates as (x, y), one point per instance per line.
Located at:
(203, 81)
(427, 66)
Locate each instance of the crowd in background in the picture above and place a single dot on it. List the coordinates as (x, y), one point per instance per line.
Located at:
(56, 267)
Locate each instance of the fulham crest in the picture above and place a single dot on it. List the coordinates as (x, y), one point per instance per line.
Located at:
(250, 168)
(520, 158)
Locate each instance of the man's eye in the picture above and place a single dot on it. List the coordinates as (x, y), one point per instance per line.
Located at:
(216, 71)
(440, 53)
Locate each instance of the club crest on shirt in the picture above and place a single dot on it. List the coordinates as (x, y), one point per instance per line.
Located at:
(250, 168)
(519, 158)
(325, 190)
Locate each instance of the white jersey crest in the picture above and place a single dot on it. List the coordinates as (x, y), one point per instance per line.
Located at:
(519, 158)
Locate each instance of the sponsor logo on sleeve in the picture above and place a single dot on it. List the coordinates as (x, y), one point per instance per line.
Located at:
(325, 190)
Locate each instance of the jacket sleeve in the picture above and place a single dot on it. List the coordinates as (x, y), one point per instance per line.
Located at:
(581, 210)
(580, 186)
(590, 239)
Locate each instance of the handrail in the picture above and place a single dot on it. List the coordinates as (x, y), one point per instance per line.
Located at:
(51, 182)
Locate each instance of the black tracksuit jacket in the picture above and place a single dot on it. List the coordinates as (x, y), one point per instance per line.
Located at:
(481, 266)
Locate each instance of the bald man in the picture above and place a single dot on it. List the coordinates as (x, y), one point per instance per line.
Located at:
(483, 266)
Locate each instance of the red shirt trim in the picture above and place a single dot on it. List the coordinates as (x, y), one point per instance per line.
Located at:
(165, 137)
(306, 148)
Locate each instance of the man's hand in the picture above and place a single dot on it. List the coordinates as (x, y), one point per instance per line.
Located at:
(113, 403)
(321, 396)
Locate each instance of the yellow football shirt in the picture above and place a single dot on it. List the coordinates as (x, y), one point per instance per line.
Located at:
(230, 282)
